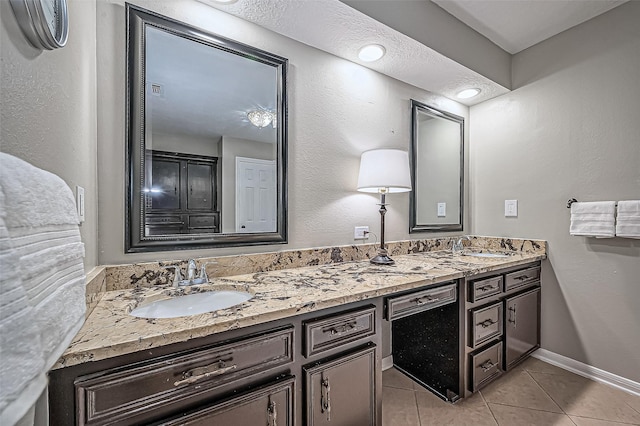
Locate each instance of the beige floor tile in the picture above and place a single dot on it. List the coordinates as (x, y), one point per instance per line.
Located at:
(396, 379)
(399, 407)
(518, 389)
(533, 364)
(467, 412)
(582, 397)
(633, 401)
(584, 421)
(509, 416)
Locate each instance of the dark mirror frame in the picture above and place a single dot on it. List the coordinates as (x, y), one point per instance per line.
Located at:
(135, 239)
(417, 107)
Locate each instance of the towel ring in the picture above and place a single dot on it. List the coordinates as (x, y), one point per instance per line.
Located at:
(571, 201)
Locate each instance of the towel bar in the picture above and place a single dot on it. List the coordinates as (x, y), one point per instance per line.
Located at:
(573, 200)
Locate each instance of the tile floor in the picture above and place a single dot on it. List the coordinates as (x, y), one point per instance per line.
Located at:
(534, 393)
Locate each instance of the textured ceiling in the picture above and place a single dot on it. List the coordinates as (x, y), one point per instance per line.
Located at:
(517, 25)
(335, 27)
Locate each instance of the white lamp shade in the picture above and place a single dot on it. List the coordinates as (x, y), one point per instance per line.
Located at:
(382, 169)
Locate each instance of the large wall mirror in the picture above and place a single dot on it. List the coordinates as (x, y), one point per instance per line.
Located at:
(437, 165)
(207, 129)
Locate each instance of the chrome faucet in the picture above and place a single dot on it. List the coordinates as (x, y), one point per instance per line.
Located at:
(191, 278)
(458, 246)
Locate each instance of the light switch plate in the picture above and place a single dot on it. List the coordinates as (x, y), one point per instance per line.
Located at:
(511, 208)
(442, 209)
(80, 202)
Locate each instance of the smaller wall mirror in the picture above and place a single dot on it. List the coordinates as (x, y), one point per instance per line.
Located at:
(437, 166)
(207, 121)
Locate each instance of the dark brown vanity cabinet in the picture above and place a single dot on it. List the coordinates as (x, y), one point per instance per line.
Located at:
(425, 333)
(342, 374)
(307, 369)
(342, 391)
(182, 192)
(245, 378)
(502, 322)
(522, 325)
(270, 405)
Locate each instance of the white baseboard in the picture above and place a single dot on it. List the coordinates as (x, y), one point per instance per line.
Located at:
(587, 371)
(387, 362)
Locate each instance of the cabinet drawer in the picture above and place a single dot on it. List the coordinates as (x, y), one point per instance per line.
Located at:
(203, 221)
(522, 277)
(267, 405)
(326, 333)
(408, 304)
(119, 395)
(486, 324)
(486, 365)
(481, 289)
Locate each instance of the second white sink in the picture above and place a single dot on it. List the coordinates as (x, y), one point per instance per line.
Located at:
(192, 304)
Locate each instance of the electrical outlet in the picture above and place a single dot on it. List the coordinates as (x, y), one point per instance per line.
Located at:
(442, 209)
(361, 233)
(511, 208)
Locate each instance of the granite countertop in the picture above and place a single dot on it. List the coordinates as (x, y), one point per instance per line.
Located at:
(110, 331)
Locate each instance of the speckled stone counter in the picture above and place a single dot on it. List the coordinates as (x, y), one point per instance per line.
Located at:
(110, 331)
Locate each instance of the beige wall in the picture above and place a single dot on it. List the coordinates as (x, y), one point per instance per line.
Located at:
(48, 108)
(571, 129)
(337, 110)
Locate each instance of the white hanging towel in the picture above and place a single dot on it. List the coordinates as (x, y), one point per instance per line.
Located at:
(43, 272)
(594, 219)
(628, 220)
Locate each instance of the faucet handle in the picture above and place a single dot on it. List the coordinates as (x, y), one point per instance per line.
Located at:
(203, 271)
(177, 274)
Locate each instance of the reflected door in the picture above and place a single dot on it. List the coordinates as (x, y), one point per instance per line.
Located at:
(255, 195)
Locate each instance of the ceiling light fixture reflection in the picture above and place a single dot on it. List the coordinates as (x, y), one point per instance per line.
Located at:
(468, 93)
(371, 52)
(262, 118)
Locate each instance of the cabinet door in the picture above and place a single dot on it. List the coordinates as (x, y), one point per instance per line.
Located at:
(165, 184)
(342, 391)
(269, 405)
(200, 184)
(522, 325)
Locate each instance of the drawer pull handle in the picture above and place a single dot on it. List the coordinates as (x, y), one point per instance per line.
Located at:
(197, 374)
(339, 329)
(522, 277)
(487, 365)
(272, 414)
(486, 288)
(512, 315)
(487, 323)
(429, 299)
(325, 403)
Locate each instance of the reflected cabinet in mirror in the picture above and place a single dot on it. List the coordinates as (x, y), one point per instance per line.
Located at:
(437, 165)
(207, 129)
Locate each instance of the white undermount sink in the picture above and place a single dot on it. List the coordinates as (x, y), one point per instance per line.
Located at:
(484, 254)
(192, 304)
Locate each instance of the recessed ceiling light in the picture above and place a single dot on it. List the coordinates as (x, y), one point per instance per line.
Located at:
(468, 93)
(371, 52)
(225, 1)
